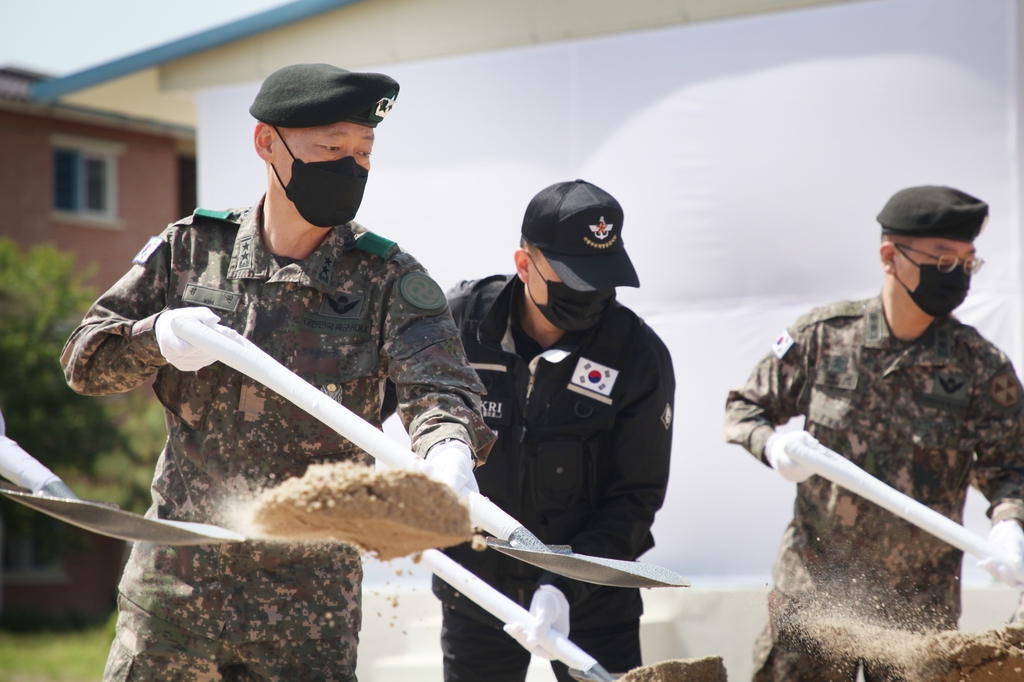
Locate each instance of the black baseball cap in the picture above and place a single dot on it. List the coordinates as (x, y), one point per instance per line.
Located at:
(931, 211)
(578, 228)
(312, 95)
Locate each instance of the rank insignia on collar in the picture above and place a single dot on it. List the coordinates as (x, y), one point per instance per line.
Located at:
(602, 229)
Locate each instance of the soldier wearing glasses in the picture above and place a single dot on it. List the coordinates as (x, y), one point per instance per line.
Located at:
(916, 398)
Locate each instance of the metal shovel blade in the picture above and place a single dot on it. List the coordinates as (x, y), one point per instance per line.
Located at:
(595, 674)
(117, 523)
(244, 356)
(562, 560)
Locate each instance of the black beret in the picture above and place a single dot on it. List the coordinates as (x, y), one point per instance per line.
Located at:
(931, 211)
(310, 95)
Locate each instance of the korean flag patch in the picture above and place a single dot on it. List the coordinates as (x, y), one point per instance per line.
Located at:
(593, 379)
(782, 344)
(148, 250)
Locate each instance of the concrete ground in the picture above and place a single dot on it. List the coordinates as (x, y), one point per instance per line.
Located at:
(402, 624)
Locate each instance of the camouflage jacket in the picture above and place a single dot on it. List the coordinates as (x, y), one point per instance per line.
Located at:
(928, 418)
(358, 310)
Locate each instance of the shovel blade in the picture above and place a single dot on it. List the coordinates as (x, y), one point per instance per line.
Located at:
(594, 674)
(117, 523)
(592, 569)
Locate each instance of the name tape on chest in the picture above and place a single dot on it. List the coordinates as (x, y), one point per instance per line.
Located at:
(211, 298)
(782, 344)
(148, 250)
(594, 379)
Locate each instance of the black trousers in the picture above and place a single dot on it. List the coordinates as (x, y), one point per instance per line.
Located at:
(478, 652)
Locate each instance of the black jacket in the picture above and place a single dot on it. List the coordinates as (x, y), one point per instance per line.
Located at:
(573, 465)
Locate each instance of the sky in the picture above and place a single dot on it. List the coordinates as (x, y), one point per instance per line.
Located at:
(59, 37)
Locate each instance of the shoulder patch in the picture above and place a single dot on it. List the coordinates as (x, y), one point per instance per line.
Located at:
(216, 215)
(148, 250)
(831, 311)
(422, 292)
(375, 244)
(1005, 389)
(782, 344)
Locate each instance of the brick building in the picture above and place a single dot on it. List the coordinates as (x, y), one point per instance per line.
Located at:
(95, 183)
(98, 184)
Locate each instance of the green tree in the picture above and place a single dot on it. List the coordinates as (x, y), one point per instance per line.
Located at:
(104, 448)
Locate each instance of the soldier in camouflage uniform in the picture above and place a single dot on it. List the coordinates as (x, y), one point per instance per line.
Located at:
(913, 396)
(341, 307)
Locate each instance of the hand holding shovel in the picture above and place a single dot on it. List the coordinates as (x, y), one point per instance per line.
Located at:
(845, 473)
(511, 536)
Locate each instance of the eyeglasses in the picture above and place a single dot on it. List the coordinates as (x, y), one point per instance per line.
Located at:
(945, 262)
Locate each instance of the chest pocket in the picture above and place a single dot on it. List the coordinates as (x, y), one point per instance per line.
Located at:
(341, 375)
(832, 395)
(560, 471)
(189, 395)
(831, 407)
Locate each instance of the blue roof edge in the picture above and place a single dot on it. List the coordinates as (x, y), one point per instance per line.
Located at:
(49, 90)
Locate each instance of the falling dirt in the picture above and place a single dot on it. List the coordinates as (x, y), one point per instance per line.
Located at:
(390, 513)
(951, 656)
(710, 669)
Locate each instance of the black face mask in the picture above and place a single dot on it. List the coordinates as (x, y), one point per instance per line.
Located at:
(325, 193)
(938, 293)
(572, 310)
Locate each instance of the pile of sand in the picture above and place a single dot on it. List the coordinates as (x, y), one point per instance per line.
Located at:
(952, 656)
(390, 513)
(710, 669)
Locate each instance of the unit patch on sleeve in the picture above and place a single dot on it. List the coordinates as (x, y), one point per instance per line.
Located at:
(666, 416)
(593, 380)
(422, 292)
(782, 344)
(148, 250)
(1005, 390)
(212, 298)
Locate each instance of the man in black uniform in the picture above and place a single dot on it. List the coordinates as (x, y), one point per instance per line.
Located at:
(580, 391)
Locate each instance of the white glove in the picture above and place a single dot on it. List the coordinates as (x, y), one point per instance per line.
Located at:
(451, 463)
(179, 352)
(775, 453)
(550, 609)
(1008, 536)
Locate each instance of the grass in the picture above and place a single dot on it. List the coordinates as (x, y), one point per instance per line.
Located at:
(74, 656)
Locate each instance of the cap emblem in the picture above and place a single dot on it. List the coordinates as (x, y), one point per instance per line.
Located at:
(383, 107)
(602, 229)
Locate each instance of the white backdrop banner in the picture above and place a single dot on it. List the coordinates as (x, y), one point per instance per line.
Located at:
(751, 157)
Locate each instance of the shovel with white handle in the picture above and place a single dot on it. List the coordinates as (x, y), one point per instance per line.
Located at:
(582, 665)
(845, 473)
(43, 491)
(512, 537)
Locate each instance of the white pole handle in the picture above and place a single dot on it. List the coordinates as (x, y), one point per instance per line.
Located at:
(23, 469)
(503, 608)
(243, 355)
(842, 471)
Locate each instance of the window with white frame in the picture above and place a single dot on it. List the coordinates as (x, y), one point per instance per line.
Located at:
(85, 177)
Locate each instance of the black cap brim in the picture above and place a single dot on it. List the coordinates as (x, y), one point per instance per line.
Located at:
(587, 273)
